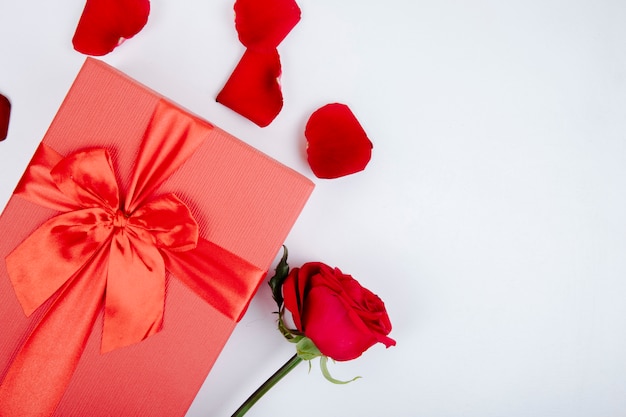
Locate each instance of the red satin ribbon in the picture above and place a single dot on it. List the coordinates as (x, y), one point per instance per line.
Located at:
(105, 250)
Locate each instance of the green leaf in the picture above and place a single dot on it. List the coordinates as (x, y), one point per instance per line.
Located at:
(326, 373)
(306, 349)
(276, 282)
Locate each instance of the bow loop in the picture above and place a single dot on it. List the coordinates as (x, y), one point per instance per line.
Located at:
(63, 245)
(169, 221)
(87, 177)
(54, 253)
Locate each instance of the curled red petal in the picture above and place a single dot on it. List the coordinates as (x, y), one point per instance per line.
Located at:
(336, 330)
(263, 24)
(5, 114)
(104, 24)
(337, 144)
(253, 89)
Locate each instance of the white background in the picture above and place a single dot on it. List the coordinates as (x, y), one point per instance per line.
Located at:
(491, 219)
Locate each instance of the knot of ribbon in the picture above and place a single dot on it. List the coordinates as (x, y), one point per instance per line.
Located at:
(109, 250)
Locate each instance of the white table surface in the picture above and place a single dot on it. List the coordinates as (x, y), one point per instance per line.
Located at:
(491, 219)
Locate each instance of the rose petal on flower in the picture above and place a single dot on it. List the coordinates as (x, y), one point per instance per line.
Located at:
(337, 144)
(5, 114)
(253, 89)
(263, 24)
(293, 294)
(104, 24)
(335, 329)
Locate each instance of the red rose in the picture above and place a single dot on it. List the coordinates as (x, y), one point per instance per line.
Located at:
(332, 309)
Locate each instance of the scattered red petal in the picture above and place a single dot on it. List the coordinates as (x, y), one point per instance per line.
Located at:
(337, 144)
(105, 24)
(253, 89)
(5, 114)
(263, 24)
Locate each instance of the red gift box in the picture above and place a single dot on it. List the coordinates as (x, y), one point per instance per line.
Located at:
(133, 245)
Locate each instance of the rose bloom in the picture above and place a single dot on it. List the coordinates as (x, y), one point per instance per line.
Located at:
(332, 309)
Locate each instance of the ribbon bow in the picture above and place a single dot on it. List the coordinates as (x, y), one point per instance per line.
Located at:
(129, 241)
(105, 249)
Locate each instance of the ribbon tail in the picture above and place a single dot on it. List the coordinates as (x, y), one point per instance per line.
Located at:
(39, 374)
(224, 280)
(135, 293)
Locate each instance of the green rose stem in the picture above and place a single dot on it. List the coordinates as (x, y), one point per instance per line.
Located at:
(267, 385)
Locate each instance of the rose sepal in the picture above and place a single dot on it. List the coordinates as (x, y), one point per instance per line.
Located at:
(276, 282)
(328, 376)
(306, 349)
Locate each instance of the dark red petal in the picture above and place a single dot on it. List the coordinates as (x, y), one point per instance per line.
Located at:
(5, 114)
(292, 297)
(253, 89)
(104, 24)
(337, 144)
(263, 24)
(335, 329)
